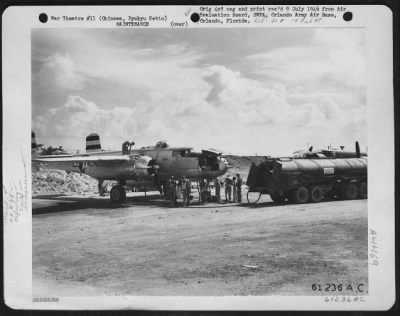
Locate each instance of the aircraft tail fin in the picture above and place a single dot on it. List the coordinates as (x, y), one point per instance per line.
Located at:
(93, 143)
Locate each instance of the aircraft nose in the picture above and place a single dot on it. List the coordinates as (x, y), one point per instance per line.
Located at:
(224, 164)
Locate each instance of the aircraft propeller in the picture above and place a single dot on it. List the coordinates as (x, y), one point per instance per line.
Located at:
(358, 153)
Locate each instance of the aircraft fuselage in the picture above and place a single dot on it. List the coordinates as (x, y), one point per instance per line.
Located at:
(180, 162)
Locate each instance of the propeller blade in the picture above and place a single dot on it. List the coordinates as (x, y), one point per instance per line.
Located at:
(310, 149)
(358, 153)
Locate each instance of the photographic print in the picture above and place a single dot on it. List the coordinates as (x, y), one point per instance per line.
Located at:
(201, 160)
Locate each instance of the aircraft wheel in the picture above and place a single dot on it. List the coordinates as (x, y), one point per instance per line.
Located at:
(363, 191)
(350, 191)
(300, 195)
(117, 194)
(253, 197)
(316, 194)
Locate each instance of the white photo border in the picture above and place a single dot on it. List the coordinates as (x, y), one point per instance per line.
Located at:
(16, 59)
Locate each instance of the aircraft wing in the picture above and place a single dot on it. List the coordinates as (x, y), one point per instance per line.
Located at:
(102, 166)
(211, 152)
(82, 158)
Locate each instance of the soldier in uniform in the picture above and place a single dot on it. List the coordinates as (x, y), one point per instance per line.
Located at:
(186, 190)
(125, 148)
(234, 186)
(171, 186)
(228, 188)
(204, 190)
(217, 190)
(239, 183)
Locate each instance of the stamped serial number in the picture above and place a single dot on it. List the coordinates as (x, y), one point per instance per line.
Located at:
(345, 299)
(339, 287)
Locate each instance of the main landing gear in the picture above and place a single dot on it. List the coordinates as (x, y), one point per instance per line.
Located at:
(118, 194)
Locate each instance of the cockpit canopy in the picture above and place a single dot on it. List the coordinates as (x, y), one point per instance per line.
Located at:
(307, 154)
(162, 144)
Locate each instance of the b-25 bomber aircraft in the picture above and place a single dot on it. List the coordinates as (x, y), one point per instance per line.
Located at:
(329, 153)
(148, 166)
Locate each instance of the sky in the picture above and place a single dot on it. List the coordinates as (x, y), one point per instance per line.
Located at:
(265, 91)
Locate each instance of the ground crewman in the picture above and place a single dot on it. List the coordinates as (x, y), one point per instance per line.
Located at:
(171, 187)
(228, 188)
(203, 190)
(234, 187)
(186, 190)
(217, 190)
(239, 188)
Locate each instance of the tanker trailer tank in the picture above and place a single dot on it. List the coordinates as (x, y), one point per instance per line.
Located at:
(309, 180)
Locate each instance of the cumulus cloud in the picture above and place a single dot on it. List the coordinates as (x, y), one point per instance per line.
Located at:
(249, 100)
(252, 102)
(59, 71)
(169, 69)
(281, 92)
(221, 80)
(280, 112)
(333, 56)
(79, 117)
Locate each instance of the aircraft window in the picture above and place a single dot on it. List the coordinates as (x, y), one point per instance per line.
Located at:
(185, 153)
(180, 153)
(194, 154)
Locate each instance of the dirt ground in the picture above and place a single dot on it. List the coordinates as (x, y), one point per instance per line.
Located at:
(89, 246)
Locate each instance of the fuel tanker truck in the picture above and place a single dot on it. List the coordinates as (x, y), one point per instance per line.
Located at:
(308, 180)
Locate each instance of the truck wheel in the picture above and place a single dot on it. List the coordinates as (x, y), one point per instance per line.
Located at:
(350, 191)
(117, 194)
(300, 195)
(316, 194)
(363, 191)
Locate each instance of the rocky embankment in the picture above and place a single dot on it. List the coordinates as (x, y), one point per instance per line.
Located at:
(241, 165)
(58, 181)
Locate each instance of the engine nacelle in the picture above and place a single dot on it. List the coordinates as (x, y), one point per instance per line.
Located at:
(145, 166)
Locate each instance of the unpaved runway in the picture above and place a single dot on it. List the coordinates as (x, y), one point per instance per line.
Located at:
(88, 246)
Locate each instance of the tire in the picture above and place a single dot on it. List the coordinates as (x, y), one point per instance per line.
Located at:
(300, 195)
(350, 191)
(117, 194)
(363, 191)
(316, 194)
